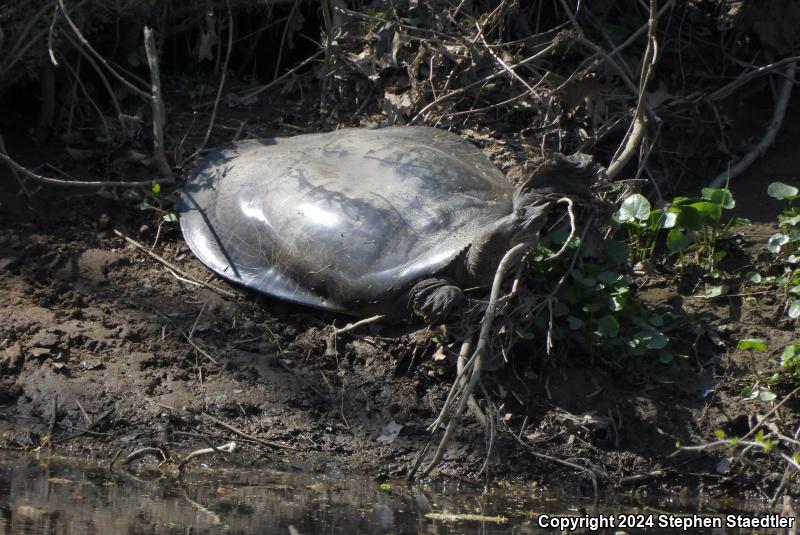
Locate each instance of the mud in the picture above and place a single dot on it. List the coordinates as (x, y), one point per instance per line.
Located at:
(102, 348)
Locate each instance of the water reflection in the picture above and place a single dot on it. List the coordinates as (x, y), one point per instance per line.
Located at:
(63, 496)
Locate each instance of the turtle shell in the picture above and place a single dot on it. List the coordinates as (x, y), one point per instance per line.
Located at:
(344, 220)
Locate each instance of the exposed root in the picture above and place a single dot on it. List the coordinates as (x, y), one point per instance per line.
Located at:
(228, 447)
(141, 453)
(769, 136)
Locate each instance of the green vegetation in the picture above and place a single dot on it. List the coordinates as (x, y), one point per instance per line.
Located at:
(595, 306)
(694, 225)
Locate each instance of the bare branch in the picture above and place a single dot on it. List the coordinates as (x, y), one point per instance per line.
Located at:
(769, 136)
(157, 101)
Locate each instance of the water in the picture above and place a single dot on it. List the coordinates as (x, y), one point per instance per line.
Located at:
(66, 496)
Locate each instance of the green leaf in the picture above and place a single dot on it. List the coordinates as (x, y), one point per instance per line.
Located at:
(608, 326)
(670, 218)
(170, 217)
(617, 251)
(753, 276)
(788, 353)
(574, 323)
(752, 344)
(634, 207)
(720, 434)
(782, 191)
(722, 197)
(665, 357)
(708, 210)
(589, 282)
(652, 339)
(156, 188)
(766, 395)
(688, 218)
(609, 278)
(677, 240)
(794, 309)
(776, 241)
(616, 303)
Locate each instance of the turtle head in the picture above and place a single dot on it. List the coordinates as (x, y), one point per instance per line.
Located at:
(572, 175)
(527, 221)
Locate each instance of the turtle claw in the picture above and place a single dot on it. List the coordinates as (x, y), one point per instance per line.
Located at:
(434, 299)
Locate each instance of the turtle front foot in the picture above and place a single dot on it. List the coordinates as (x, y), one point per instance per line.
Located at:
(434, 299)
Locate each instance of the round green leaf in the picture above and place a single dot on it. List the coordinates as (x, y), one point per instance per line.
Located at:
(722, 197)
(794, 309)
(766, 395)
(708, 210)
(688, 217)
(677, 240)
(617, 251)
(608, 326)
(634, 207)
(574, 323)
(782, 191)
(753, 276)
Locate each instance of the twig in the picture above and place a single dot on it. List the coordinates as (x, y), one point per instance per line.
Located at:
(101, 59)
(14, 172)
(621, 71)
(157, 102)
(502, 63)
(593, 473)
(276, 80)
(80, 183)
(251, 438)
(769, 136)
(726, 90)
(353, 326)
(75, 72)
(471, 402)
(483, 80)
(770, 413)
(289, 20)
(104, 80)
(476, 361)
(172, 266)
(229, 447)
(191, 342)
(141, 453)
(639, 124)
(220, 87)
(85, 414)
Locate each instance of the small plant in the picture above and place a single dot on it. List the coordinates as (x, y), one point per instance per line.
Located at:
(789, 221)
(595, 307)
(643, 224)
(166, 205)
(694, 224)
(758, 390)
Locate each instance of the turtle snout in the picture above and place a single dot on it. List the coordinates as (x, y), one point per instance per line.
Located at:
(531, 218)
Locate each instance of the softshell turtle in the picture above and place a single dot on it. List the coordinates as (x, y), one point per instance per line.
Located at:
(357, 220)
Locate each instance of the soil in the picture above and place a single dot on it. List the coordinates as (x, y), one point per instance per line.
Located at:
(110, 350)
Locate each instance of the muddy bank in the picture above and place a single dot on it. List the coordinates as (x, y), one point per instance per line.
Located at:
(113, 351)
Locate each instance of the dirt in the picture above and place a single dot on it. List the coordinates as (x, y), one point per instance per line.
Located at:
(111, 350)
